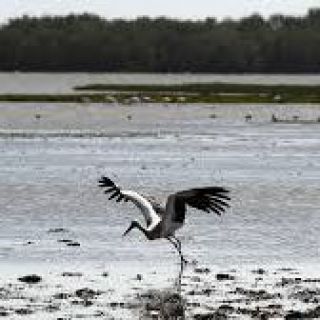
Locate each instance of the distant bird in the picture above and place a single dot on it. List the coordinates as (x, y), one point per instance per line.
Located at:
(162, 222)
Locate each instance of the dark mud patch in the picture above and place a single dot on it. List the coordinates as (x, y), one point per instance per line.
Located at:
(4, 312)
(30, 279)
(86, 293)
(257, 295)
(23, 311)
(224, 276)
(309, 314)
(65, 241)
(307, 295)
(289, 281)
(164, 304)
(73, 244)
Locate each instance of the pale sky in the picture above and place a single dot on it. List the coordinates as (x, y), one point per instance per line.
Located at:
(191, 9)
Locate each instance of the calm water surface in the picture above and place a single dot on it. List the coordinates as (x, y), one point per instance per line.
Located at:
(16, 82)
(273, 172)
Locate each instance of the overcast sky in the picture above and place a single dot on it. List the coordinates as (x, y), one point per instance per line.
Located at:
(194, 9)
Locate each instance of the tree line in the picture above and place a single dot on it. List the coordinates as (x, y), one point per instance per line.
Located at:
(278, 44)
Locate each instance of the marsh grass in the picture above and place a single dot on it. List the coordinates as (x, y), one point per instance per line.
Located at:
(184, 93)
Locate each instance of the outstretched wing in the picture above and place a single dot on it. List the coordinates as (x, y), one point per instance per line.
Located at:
(142, 203)
(208, 199)
(111, 188)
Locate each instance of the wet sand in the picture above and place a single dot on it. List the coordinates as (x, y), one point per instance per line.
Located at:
(260, 261)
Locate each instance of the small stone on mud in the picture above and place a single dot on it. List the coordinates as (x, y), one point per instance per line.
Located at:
(72, 274)
(139, 277)
(64, 240)
(202, 270)
(61, 296)
(31, 279)
(224, 276)
(259, 271)
(57, 230)
(73, 244)
(105, 274)
(87, 293)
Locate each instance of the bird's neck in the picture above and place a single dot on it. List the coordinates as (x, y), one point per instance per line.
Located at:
(144, 231)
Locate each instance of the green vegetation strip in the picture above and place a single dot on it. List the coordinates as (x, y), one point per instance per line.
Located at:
(184, 93)
(206, 88)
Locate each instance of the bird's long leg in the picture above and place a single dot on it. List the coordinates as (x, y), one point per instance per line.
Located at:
(179, 248)
(177, 245)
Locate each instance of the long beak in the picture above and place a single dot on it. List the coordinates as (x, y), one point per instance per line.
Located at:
(128, 230)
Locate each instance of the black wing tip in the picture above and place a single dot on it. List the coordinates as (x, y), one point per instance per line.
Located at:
(112, 189)
(106, 182)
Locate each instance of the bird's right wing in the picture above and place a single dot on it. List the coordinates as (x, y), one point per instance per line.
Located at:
(112, 188)
(127, 195)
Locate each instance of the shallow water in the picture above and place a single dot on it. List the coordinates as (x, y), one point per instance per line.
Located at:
(47, 182)
(16, 82)
(272, 171)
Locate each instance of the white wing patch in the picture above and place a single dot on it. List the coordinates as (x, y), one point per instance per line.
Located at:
(152, 218)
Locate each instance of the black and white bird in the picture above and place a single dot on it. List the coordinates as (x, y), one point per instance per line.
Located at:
(163, 221)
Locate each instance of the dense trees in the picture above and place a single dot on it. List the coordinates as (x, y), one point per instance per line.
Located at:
(89, 43)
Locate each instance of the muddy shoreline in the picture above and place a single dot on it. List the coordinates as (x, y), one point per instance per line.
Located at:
(282, 293)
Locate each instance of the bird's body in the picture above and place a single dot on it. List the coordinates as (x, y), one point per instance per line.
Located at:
(164, 221)
(160, 221)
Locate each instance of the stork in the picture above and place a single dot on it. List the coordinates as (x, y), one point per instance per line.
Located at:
(164, 221)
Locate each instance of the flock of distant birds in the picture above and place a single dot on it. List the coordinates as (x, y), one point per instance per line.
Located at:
(164, 221)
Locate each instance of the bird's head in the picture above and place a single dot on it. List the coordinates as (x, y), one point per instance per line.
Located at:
(134, 224)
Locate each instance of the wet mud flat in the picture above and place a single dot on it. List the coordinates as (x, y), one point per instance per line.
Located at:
(61, 251)
(280, 293)
(112, 119)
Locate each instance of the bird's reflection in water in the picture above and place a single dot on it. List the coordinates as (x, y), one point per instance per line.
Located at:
(166, 303)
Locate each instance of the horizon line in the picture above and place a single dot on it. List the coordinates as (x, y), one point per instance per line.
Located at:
(153, 17)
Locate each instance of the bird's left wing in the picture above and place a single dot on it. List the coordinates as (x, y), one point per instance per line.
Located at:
(208, 199)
